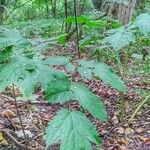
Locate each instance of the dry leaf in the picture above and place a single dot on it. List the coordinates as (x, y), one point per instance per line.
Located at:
(21, 135)
(147, 141)
(142, 139)
(140, 130)
(123, 141)
(8, 113)
(120, 130)
(2, 140)
(121, 148)
(115, 120)
(129, 131)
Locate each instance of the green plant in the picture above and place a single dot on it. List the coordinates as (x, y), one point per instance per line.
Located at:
(22, 66)
(140, 105)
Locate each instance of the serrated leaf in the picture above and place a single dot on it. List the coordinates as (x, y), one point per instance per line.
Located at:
(126, 2)
(70, 67)
(10, 37)
(61, 38)
(137, 56)
(56, 60)
(15, 71)
(103, 71)
(143, 23)
(6, 54)
(27, 74)
(89, 101)
(86, 64)
(119, 38)
(27, 86)
(106, 74)
(37, 77)
(58, 91)
(80, 19)
(85, 72)
(72, 129)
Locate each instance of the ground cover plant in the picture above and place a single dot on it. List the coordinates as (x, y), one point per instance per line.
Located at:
(74, 75)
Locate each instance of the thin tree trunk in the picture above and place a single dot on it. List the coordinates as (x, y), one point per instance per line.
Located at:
(2, 9)
(47, 8)
(66, 15)
(53, 3)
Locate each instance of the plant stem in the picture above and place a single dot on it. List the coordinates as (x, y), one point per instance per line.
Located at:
(77, 30)
(18, 113)
(140, 106)
(122, 107)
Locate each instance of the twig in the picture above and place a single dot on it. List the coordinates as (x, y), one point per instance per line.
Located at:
(14, 139)
(26, 102)
(140, 106)
(111, 130)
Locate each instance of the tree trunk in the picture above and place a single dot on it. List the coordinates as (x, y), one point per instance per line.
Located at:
(53, 3)
(2, 9)
(125, 12)
(47, 8)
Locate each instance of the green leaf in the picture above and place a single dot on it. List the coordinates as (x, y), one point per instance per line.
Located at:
(137, 56)
(10, 37)
(27, 74)
(86, 64)
(61, 38)
(143, 23)
(45, 75)
(80, 19)
(27, 86)
(89, 101)
(6, 54)
(106, 74)
(72, 129)
(58, 91)
(88, 69)
(126, 2)
(70, 67)
(70, 20)
(56, 61)
(85, 72)
(119, 38)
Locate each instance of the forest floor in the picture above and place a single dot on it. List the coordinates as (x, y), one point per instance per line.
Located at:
(129, 135)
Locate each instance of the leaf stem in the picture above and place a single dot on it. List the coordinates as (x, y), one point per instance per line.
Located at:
(18, 113)
(122, 107)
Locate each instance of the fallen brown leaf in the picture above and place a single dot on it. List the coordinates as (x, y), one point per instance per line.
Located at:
(8, 113)
(129, 131)
(120, 130)
(140, 130)
(122, 141)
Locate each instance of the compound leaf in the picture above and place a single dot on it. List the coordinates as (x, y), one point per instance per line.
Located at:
(119, 38)
(106, 74)
(72, 130)
(87, 69)
(58, 91)
(56, 60)
(143, 23)
(89, 101)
